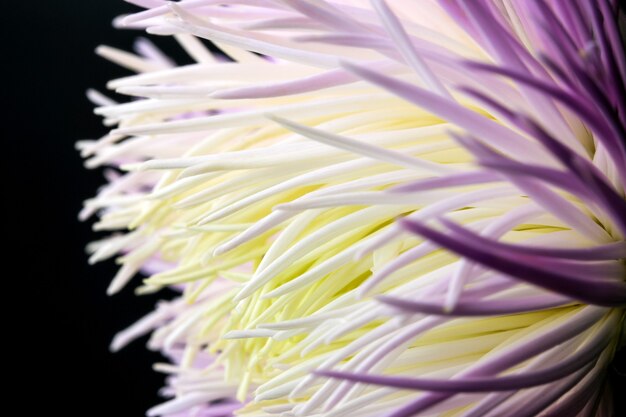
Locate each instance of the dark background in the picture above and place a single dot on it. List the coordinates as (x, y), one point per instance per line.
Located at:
(64, 320)
(59, 321)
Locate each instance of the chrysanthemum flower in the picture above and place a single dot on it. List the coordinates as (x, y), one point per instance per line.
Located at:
(373, 208)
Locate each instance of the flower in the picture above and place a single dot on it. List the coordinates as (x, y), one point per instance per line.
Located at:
(373, 208)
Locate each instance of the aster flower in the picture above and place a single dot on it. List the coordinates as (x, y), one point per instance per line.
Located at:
(372, 207)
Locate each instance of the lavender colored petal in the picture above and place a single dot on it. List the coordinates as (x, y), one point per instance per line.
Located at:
(611, 251)
(497, 135)
(512, 357)
(315, 82)
(553, 176)
(600, 293)
(481, 384)
(478, 307)
(454, 180)
(609, 132)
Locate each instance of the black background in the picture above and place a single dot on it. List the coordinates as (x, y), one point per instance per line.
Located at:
(58, 320)
(64, 319)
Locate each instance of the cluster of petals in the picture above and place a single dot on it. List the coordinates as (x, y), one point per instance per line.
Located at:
(371, 208)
